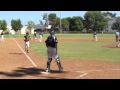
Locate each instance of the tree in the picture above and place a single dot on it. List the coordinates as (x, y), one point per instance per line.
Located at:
(19, 24)
(3, 25)
(31, 25)
(41, 22)
(16, 24)
(54, 21)
(116, 25)
(45, 17)
(57, 22)
(113, 15)
(52, 18)
(76, 23)
(89, 20)
(95, 20)
(65, 24)
(69, 20)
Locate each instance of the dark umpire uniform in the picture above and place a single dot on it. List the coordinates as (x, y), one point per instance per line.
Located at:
(51, 44)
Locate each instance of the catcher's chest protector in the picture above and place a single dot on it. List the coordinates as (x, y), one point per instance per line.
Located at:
(51, 41)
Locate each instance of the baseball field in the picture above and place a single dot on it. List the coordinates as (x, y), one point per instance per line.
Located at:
(80, 56)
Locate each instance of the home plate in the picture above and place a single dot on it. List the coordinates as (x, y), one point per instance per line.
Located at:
(30, 67)
(45, 72)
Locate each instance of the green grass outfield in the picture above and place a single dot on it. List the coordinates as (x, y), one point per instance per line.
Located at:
(81, 50)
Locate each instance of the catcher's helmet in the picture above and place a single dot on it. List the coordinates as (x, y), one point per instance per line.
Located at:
(52, 32)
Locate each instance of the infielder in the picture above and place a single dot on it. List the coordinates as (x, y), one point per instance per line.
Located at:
(40, 36)
(35, 36)
(117, 36)
(27, 43)
(94, 36)
(51, 44)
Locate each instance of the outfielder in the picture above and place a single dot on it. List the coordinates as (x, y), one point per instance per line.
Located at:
(27, 43)
(51, 44)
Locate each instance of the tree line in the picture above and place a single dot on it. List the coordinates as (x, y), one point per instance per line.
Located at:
(92, 20)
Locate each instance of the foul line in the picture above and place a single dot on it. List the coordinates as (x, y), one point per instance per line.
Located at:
(25, 53)
(82, 75)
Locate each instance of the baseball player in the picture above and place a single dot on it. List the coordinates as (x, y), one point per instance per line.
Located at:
(51, 44)
(41, 35)
(2, 36)
(35, 37)
(117, 36)
(118, 43)
(94, 36)
(27, 43)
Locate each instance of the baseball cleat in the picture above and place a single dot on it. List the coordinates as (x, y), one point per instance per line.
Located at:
(61, 69)
(47, 70)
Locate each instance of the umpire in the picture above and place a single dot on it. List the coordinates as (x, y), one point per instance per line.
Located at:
(51, 44)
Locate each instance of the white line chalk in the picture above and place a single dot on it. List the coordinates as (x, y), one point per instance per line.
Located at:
(81, 75)
(24, 53)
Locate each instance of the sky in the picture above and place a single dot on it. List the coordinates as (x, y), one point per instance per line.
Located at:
(35, 16)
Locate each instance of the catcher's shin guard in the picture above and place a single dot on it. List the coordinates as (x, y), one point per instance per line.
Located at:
(58, 63)
(48, 63)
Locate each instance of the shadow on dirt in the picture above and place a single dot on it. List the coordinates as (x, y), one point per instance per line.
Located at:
(20, 72)
(16, 53)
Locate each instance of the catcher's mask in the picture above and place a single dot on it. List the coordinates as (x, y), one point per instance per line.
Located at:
(52, 32)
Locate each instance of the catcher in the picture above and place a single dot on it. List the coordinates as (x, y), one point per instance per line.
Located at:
(51, 44)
